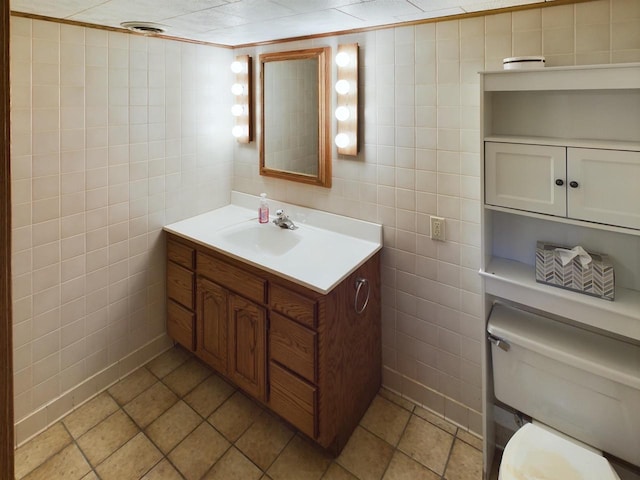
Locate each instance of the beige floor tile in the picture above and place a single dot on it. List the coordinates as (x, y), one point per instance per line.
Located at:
(404, 468)
(301, 460)
(234, 416)
(264, 440)
(167, 362)
(90, 476)
(199, 451)
(90, 414)
(170, 428)
(426, 443)
(37, 450)
(209, 395)
(465, 463)
(386, 419)
(436, 420)
(233, 466)
(69, 464)
(106, 437)
(132, 385)
(365, 455)
(150, 404)
(336, 472)
(397, 399)
(163, 471)
(187, 376)
(475, 442)
(130, 461)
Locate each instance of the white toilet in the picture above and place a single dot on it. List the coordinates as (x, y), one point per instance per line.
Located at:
(582, 390)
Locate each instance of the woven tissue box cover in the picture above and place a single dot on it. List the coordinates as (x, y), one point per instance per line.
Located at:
(596, 279)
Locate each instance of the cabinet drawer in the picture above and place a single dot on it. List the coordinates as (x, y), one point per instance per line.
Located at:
(232, 277)
(293, 346)
(181, 254)
(293, 305)
(180, 284)
(180, 324)
(293, 399)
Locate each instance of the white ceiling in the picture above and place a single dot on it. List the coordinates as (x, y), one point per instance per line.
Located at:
(238, 22)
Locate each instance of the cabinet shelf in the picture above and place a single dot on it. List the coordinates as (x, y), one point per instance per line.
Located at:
(590, 77)
(565, 220)
(515, 281)
(566, 142)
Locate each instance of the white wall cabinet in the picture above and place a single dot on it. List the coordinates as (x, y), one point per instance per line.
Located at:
(590, 184)
(560, 161)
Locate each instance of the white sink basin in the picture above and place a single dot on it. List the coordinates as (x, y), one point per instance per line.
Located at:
(323, 251)
(267, 238)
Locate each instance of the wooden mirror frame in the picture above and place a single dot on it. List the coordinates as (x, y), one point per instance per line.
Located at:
(323, 177)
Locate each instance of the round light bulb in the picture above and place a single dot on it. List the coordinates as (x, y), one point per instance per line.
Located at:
(342, 87)
(237, 110)
(237, 89)
(342, 59)
(342, 140)
(237, 67)
(238, 131)
(342, 113)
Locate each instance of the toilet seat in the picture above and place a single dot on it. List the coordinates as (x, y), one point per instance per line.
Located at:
(536, 453)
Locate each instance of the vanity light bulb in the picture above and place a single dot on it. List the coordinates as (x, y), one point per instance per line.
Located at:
(342, 140)
(239, 131)
(342, 87)
(342, 113)
(237, 89)
(342, 59)
(237, 110)
(237, 67)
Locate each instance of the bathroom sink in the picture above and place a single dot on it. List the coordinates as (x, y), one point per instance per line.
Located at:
(266, 238)
(321, 253)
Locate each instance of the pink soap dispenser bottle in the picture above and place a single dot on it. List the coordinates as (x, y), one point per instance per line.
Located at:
(263, 211)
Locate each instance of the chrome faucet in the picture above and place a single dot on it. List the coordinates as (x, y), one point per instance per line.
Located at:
(283, 221)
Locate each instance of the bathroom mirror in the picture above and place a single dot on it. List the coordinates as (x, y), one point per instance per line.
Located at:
(294, 140)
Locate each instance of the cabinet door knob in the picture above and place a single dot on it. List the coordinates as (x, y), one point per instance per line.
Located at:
(573, 184)
(559, 182)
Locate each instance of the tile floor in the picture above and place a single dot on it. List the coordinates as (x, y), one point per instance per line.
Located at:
(175, 419)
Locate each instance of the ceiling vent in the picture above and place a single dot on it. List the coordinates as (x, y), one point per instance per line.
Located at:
(146, 28)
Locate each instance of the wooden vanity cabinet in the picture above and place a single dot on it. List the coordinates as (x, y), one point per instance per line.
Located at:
(310, 358)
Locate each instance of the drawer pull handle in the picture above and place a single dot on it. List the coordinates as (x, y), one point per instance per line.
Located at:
(559, 182)
(573, 184)
(360, 282)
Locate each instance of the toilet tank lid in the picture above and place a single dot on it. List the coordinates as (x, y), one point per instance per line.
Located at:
(583, 349)
(537, 452)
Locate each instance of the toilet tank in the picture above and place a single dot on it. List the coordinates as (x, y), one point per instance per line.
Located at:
(581, 383)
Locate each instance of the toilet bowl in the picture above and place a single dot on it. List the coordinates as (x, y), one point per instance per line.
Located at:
(537, 452)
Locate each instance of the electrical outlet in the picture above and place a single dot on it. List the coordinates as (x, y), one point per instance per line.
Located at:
(437, 228)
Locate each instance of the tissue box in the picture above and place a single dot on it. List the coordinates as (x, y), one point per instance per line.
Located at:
(596, 279)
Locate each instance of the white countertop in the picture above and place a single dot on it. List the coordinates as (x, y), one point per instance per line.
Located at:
(323, 251)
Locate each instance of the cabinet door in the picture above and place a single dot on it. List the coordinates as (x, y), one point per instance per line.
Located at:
(247, 345)
(604, 186)
(212, 320)
(526, 177)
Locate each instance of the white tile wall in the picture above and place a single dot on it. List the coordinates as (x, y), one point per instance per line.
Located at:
(420, 157)
(113, 136)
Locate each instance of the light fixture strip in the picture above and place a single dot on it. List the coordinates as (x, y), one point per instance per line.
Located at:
(243, 111)
(347, 99)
